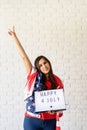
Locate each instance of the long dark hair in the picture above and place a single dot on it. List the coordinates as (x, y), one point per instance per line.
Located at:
(51, 76)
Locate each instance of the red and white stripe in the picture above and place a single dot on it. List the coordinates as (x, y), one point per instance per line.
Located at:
(57, 122)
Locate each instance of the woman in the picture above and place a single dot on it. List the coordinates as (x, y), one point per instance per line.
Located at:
(40, 77)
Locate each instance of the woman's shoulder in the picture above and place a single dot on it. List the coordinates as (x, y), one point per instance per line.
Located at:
(32, 72)
(57, 77)
(58, 81)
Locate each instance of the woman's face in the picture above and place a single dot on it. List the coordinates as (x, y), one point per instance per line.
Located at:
(44, 66)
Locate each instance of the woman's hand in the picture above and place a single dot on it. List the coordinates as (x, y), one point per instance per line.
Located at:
(12, 31)
(51, 112)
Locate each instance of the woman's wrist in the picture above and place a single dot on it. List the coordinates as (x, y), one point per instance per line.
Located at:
(14, 34)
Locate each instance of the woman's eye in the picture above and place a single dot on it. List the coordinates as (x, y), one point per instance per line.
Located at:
(40, 66)
(45, 62)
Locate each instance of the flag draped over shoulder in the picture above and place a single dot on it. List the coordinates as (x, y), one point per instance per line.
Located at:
(29, 87)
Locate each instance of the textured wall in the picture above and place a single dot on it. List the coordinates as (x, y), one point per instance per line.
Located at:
(56, 29)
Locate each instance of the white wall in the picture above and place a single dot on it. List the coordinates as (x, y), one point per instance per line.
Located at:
(56, 29)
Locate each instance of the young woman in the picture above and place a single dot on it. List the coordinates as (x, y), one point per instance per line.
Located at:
(40, 77)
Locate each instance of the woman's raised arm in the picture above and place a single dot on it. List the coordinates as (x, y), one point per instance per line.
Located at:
(21, 50)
